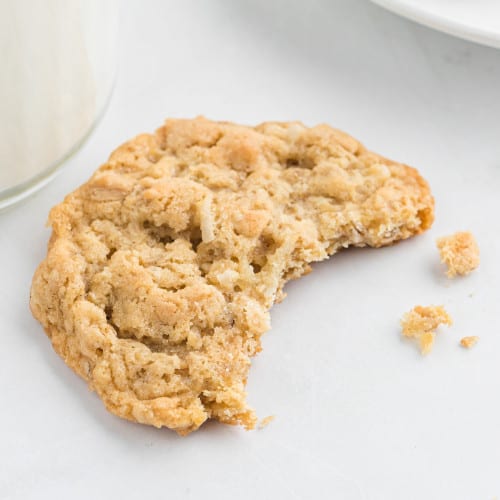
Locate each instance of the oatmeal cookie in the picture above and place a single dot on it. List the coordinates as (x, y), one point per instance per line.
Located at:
(162, 268)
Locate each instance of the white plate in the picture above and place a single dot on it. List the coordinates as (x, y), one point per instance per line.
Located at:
(474, 20)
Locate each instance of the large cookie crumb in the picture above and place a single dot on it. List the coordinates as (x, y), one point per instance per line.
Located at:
(459, 252)
(421, 324)
(162, 268)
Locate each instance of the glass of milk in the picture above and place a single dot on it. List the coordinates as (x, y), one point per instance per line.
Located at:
(58, 62)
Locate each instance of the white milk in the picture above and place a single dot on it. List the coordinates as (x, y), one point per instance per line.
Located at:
(57, 65)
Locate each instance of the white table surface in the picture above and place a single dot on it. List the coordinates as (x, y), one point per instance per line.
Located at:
(359, 413)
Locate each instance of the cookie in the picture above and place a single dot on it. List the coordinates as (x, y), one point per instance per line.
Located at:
(162, 268)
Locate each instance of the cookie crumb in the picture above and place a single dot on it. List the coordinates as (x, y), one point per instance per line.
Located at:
(459, 252)
(423, 319)
(266, 421)
(469, 342)
(421, 323)
(426, 342)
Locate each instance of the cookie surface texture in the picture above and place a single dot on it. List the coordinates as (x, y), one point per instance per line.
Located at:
(162, 268)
